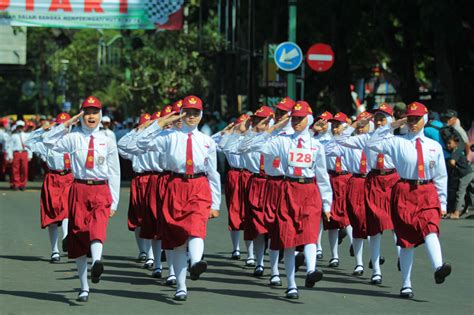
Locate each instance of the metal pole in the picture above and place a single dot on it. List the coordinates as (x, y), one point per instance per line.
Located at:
(291, 79)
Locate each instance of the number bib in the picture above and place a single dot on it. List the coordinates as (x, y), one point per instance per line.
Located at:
(300, 158)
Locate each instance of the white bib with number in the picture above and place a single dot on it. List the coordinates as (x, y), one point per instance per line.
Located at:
(300, 158)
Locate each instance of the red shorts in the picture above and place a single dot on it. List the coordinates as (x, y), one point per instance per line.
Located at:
(54, 198)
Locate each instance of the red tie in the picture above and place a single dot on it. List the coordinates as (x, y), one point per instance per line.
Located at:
(363, 163)
(420, 162)
(338, 164)
(262, 164)
(189, 155)
(380, 161)
(67, 161)
(297, 170)
(90, 154)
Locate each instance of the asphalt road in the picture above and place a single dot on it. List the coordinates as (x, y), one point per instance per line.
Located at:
(29, 284)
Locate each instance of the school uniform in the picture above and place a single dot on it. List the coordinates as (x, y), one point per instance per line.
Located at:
(19, 154)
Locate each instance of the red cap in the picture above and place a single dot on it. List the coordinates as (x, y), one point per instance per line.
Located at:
(416, 109)
(62, 117)
(286, 104)
(166, 111)
(91, 101)
(326, 116)
(385, 108)
(176, 107)
(301, 109)
(192, 101)
(363, 115)
(241, 118)
(144, 118)
(264, 112)
(340, 117)
(156, 115)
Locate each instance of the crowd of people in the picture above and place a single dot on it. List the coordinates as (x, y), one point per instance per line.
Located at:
(290, 176)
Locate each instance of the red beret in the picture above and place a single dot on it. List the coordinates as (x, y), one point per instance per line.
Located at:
(144, 118)
(241, 118)
(340, 117)
(286, 104)
(363, 115)
(62, 117)
(385, 108)
(192, 101)
(326, 116)
(91, 101)
(264, 112)
(416, 109)
(301, 109)
(156, 115)
(166, 111)
(176, 107)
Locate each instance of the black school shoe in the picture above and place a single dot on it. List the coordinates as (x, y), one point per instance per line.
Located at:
(275, 281)
(292, 294)
(376, 279)
(334, 263)
(197, 269)
(442, 272)
(312, 278)
(235, 255)
(358, 271)
(55, 258)
(406, 293)
(83, 298)
(96, 271)
(258, 272)
(180, 295)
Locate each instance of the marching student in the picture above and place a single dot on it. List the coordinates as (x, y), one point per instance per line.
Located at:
(419, 197)
(19, 155)
(193, 192)
(55, 189)
(94, 193)
(4, 142)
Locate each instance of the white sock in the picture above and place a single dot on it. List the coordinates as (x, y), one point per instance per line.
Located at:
(434, 250)
(333, 235)
(274, 255)
(259, 243)
(169, 261)
(196, 249)
(319, 245)
(249, 245)
(156, 245)
(375, 253)
(349, 232)
(96, 250)
(406, 264)
(139, 240)
(358, 244)
(81, 263)
(395, 241)
(148, 248)
(290, 267)
(64, 225)
(310, 257)
(235, 237)
(180, 266)
(53, 237)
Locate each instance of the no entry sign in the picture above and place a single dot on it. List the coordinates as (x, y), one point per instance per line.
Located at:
(320, 57)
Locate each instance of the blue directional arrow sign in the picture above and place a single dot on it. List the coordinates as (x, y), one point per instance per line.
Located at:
(288, 56)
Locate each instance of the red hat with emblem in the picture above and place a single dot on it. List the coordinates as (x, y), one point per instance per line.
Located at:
(416, 109)
(62, 117)
(144, 118)
(286, 104)
(156, 115)
(192, 101)
(385, 108)
(326, 116)
(363, 115)
(167, 110)
(242, 118)
(301, 109)
(176, 107)
(91, 101)
(264, 112)
(341, 117)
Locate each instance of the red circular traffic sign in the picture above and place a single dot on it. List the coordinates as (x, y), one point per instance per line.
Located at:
(320, 57)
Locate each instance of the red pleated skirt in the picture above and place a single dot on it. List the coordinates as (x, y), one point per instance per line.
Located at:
(273, 192)
(255, 216)
(136, 205)
(233, 196)
(356, 209)
(416, 212)
(152, 223)
(54, 198)
(339, 218)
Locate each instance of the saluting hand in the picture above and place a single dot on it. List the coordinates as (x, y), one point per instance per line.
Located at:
(318, 126)
(362, 122)
(398, 123)
(279, 124)
(213, 214)
(74, 120)
(228, 129)
(164, 121)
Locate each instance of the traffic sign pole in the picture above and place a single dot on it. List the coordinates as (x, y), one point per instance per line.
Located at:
(291, 78)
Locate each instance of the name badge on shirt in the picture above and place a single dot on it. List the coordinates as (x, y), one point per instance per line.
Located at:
(300, 158)
(101, 160)
(432, 164)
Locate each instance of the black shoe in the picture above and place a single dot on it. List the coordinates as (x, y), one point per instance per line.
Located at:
(235, 255)
(275, 281)
(312, 278)
(65, 244)
(351, 251)
(250, 262)
(197, 269)
(334, 263)
(149, 264)
(341, 235)
(319, 254)
(398, 265)
(163, 256)
(156, 273)
(299, 260)
(179, 296)
(406, 293)
(442, 272)
(55, 258)
(171, 280)
(83, 298)
(258, 272)
(292, 294)
(96, 271)
(358, 272)
(141, 257)
(381, 262)
(22, 188)
(376, 279)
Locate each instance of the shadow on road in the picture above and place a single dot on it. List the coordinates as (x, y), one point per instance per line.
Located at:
(24, 258)
(40, 296)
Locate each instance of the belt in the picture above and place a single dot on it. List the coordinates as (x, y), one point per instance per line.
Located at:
(236, 169)
(146, 173)
(359, 175)
(383, 172)
(260, 175)
(62, 172)
(18, 151)
(302, 180)
(91, 181)
(185, 176)
(276, 177)
(337, 173)
(417, 181)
